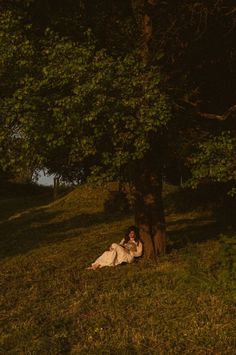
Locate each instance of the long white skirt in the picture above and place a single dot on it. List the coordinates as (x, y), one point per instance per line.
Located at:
(113, 257)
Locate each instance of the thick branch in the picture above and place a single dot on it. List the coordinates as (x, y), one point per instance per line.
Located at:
(212, 116)
(223, 117)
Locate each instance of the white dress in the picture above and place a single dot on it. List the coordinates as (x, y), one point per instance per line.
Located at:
(119, 253)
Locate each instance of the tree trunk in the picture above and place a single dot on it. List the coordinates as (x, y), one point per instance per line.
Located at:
(56, 187)
(148, 186)
(149, 211)
(144, 12)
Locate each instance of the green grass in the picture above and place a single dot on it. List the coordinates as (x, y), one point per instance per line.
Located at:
(184, 304)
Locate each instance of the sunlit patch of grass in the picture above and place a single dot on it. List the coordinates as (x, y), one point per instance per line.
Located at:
(184, 303)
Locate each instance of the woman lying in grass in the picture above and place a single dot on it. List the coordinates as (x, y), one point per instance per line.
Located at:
(129, 248)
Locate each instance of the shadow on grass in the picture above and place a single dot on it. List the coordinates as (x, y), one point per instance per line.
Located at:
(40, 227)
(37, 228)
(191, 231)
(17, 198)
(11, 207)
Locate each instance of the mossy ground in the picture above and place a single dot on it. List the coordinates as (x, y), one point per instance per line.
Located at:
(50, 304)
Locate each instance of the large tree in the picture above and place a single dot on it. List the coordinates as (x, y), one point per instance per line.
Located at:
(128, 87)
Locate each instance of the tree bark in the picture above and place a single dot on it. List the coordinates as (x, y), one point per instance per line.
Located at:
(149, 210)
(149, 214)
(144, 12)
(55, 187)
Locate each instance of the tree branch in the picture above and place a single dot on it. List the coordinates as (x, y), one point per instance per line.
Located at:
(211, 116)
(223, 117)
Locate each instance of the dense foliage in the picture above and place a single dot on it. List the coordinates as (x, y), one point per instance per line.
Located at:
(16, 72)
(130, 90)
(81, 109)
(215, 160)
(73, 72)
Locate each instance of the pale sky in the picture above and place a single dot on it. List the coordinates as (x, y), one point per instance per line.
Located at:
(45, 180)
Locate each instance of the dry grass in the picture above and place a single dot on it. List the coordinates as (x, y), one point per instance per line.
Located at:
(51, 305)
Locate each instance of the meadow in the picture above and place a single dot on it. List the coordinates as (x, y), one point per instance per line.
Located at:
(50, 304)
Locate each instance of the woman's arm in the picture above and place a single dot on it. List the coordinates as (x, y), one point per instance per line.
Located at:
(139, 250)
(112, 247)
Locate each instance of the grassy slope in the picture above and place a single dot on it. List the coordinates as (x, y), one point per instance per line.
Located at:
(50, 304)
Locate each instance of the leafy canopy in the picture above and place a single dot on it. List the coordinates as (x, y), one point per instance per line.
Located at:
(84, 110)
(215, 161)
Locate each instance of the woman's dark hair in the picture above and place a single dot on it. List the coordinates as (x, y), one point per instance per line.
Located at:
(135, 230)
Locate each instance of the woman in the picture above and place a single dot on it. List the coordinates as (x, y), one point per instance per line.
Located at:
(129, 248)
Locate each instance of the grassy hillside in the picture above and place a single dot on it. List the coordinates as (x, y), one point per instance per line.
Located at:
(50, 304)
